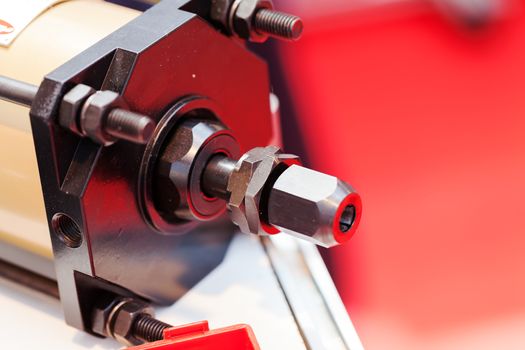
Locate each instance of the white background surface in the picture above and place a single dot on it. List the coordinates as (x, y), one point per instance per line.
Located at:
(243, 289)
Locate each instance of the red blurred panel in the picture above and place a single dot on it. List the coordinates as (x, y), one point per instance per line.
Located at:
(428, 123)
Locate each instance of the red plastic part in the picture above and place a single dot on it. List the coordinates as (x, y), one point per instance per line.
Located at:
(198, 336)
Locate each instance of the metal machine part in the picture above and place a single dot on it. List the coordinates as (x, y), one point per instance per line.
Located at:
(128, 320)
(308, 203)
(114, 207)
(180, 168)
(268, 191)
(91, 192)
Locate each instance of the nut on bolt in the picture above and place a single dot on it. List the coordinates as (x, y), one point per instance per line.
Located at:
(122, 320)
(255, 20)
(71, 105)
(104, 118)
(243, 16)
(246, 185)
(100, 316)
(94, 114)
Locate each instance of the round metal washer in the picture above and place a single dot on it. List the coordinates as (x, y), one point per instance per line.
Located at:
(191, 106)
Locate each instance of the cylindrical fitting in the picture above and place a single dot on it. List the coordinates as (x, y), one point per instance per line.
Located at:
(314, 206)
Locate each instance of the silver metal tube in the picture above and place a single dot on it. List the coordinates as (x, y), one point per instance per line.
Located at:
(17, 91)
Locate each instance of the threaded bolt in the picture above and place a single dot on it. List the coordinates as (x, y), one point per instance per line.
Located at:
(127, 125)
(148, 328)
(278, 24)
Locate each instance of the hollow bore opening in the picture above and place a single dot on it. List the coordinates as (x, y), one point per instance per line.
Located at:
(67, 230)
(347, 218)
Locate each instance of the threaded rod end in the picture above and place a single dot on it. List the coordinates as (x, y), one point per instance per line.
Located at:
(278, 24)
(149, 329)
(130, 126)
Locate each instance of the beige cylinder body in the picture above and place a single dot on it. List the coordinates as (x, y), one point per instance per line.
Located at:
(55, 36)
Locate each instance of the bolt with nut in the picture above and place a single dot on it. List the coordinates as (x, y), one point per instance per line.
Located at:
(129, 321)
(255, 20)
(103, 117)
(268, 191)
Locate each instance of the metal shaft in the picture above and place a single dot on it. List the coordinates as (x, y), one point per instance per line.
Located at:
(216, 176)
(28, 278)
(17, 91)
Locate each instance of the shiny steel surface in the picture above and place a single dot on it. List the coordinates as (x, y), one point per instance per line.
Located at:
(216, 176)
(314, 206)
(16, 91)
(312, 297)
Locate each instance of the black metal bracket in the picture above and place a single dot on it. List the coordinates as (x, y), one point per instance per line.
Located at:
(91, 194)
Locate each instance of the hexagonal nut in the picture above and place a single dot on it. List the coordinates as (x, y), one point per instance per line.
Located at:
(100, 317)
(314, 206)
(124, 317)
(246, 186)
(220, 11)
(242, 20)
(176, 164)
(95, 112)
(71, 105)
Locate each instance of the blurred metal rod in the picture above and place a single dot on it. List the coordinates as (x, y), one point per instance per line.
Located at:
(17, 91)
(29, 279)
